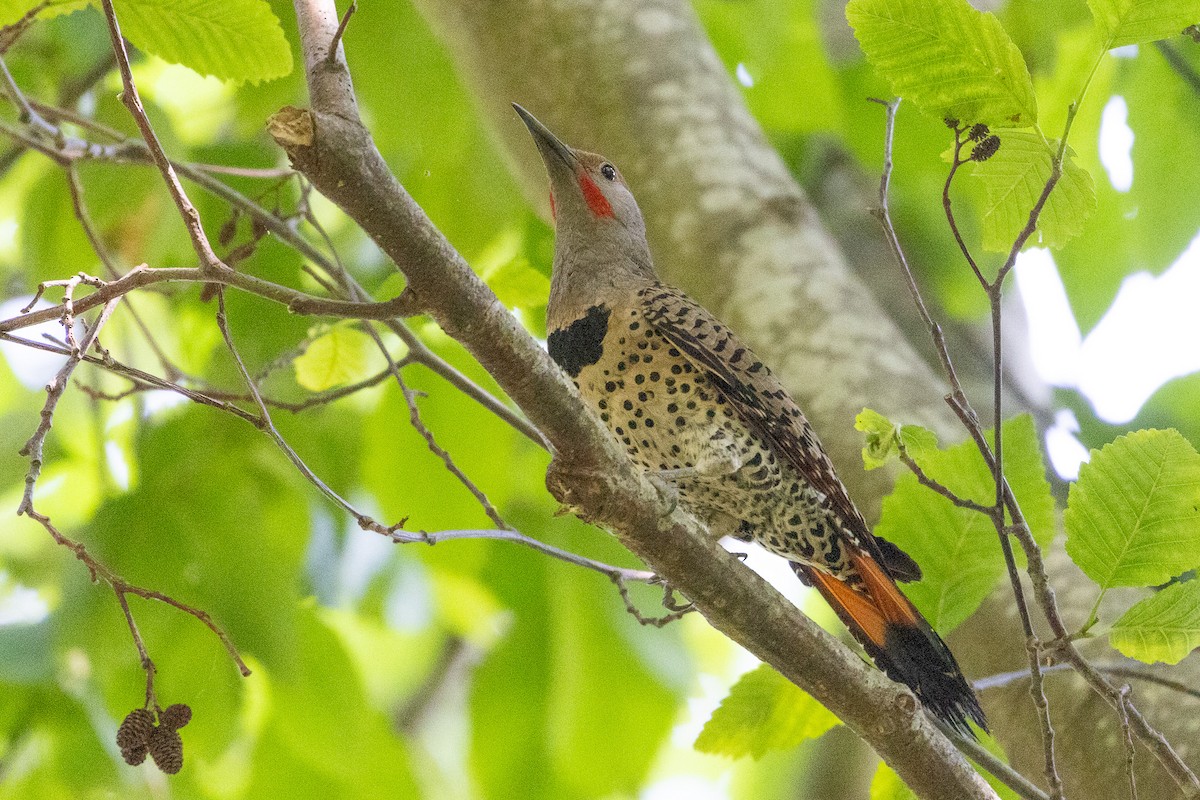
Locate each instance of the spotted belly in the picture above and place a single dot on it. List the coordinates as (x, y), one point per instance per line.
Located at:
(669, 417)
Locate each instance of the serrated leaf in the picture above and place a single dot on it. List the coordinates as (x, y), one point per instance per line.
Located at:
(332, 359)
(1123, 22)
(949, 59)
(956, 547)
(1133, 517)
(234, 40)
(880, 439)
(1165, 627)
(13, 10)
(1014, 179)
(883, 438)
(763, 712)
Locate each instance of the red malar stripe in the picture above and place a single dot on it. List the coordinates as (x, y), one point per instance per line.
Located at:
(595, 198)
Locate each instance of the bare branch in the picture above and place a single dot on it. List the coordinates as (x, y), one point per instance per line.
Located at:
(191, 218)
(959, 403)
(1062, 646)
(509, 535)
(336, 44)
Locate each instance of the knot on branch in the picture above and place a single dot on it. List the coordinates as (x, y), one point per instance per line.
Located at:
(591, 494)
(292, 127)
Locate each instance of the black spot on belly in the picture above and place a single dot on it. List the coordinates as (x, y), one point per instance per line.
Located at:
(580, 343)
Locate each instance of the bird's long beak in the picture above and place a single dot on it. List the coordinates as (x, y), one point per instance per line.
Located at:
(550, 146)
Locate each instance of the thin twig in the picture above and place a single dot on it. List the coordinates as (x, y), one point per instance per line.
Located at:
(958, 401)
(143, 655)
(1127, 735)
(985, 758)
(75, 187)
(34, 449)
(1183, 68)
(509, 535)
(957, 161)
(931, 483)
(675, 613)
(133, 374)
(191, 218)
(13, 31)
(25, 112)
(264, 423)
(336, 43)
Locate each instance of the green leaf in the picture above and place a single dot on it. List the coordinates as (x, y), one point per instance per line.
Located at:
(949, 59)
(333, 358)
(763, 712)
(1123, 22)
(1164, 627)
(560, 707)
(234, 40)
(1014, 179)
(886, 785)
(884, 437)
(13, 10)
(518, 285)
(956, 547)
(1133, 517)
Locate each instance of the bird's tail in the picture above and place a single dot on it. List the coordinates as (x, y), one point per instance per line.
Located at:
(900, 640)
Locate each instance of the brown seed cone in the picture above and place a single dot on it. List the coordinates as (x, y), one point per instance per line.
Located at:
(136, 754)
(175, 716)
(978, 132)
(135, 729)
(166, 748)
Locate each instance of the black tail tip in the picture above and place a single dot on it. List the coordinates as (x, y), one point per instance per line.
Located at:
(921, 660)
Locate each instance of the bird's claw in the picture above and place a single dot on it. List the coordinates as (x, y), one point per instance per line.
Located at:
(668, 495)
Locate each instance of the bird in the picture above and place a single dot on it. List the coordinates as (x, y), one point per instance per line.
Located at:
(695, 408)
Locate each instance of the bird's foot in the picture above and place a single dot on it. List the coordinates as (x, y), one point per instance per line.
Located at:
(668, 495)
(680, 474)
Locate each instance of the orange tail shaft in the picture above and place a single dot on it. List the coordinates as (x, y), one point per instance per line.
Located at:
(899, 640)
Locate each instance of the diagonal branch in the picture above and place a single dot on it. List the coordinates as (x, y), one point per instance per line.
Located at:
(335, 151)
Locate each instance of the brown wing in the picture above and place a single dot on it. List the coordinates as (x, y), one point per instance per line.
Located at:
(766, 407)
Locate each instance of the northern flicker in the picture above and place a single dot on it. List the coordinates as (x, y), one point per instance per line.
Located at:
(693, 405)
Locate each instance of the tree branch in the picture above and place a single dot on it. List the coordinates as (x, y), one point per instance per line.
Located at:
(590, 473)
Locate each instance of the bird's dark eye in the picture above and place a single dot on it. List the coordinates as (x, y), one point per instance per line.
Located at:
(608, 171)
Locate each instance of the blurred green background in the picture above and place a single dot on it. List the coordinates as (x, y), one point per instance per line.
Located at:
(473, 668)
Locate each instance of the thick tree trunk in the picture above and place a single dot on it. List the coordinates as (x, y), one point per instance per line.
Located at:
(640, 82)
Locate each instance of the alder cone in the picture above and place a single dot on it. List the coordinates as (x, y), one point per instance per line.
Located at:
(175, 716)
(135, 729)
(166, 748)
(136, 754)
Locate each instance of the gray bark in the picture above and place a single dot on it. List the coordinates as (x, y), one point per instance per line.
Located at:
(590, 473)
(640, 82)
